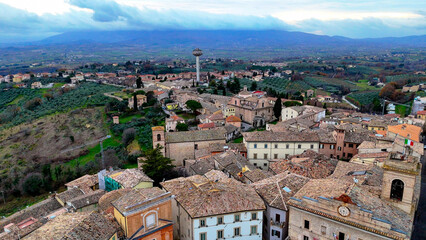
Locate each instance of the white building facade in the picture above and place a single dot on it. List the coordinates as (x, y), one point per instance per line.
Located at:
(241, 225)
(260, 153)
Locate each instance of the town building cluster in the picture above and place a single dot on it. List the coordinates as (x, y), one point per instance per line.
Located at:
(314, 173)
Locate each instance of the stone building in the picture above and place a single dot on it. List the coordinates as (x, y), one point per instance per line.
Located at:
(214, 206)
(276, 192)
(145, 214)
(181, 146)
(262, 147)
(308, 112)
(233, 120)
(141, 99)
(172, 122)
(253, 109)
(359, 202)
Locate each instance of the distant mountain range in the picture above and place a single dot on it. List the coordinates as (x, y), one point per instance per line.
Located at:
(107, 46)
(225, 38)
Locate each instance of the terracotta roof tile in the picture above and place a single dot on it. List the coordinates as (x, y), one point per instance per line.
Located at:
(201, 197)
(75, 226)
(129, 178)
(278, 189)
(309, 164)
(407, 130)
(233, 119)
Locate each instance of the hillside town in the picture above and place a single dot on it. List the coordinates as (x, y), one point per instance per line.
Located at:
(250, 164)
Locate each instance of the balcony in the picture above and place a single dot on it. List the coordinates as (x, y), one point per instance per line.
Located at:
(277, 224)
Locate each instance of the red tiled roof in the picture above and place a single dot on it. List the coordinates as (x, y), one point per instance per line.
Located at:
(176, 118)
(233, 119)
(206, 125)
(423, 112)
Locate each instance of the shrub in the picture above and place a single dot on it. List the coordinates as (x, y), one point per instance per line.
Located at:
(32, 184)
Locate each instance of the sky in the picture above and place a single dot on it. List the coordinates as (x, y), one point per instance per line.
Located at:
(29, 20)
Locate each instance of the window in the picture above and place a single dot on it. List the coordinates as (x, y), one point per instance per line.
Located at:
(341, 236)
(276, 146)
(266, 145)
(203, 236)
(236, 231)
(299, 146)
(306, 224)
(265, 164)
(286, 156)
(202, 222)
(312, 146)
(236, 217)
(323, 230)
(265, 156)
(255, 145)
(219, 220)
(397, 190)
(253, 230)
(276, 233)
(332, 146)
(255, 164)
(351, 145)
(305, 238)
(287, 146)
(275, 156)
(254, 216)
(150, 220)
(219, 234)
(158, 137)
(277, 218)
(350, 155)
(321, 146)
(255, 155)
(196, 146)
(339, 148)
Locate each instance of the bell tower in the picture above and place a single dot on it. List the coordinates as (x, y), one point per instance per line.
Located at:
(399, 181)
(158, 138)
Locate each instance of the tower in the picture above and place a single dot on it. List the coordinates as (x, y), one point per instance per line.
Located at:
(158, 138)
(399, 181)
(197, 53)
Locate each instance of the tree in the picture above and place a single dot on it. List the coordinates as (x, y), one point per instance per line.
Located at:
(139, 83)
(193, 105)
(33, 103)
(253, 86)
(277, 107)
(128, 136)
(135, 102)
(181, 127)
(155, 165)
(32, 184)
(110, 158)
(377, 106)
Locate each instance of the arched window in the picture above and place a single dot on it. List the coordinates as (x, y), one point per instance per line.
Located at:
(151, 220)
(397, 190)
(158, 137)
(263, 104)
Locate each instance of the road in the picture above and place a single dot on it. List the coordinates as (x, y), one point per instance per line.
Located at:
(344, 99)
(110, 95)
(419, 232)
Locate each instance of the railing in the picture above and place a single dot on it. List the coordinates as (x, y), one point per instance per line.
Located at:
(278, 224)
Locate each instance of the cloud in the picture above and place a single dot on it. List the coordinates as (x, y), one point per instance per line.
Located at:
(365, 28)
(22, 25)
